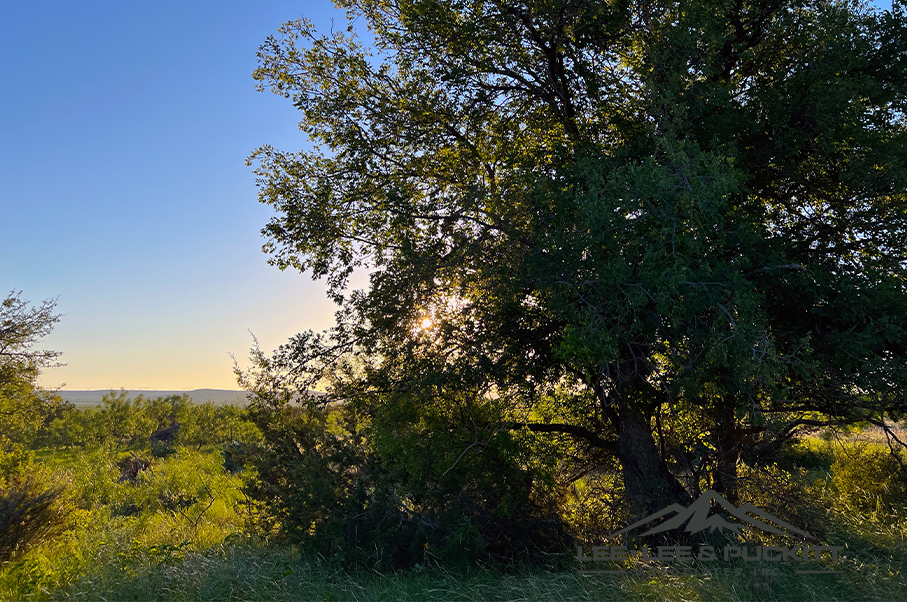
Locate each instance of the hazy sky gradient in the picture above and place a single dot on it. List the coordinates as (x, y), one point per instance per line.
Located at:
(124, 129)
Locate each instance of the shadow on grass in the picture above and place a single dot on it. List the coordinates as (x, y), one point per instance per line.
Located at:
(266, 573)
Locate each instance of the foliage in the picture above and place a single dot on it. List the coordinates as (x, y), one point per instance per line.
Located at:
(32, 507)
(31, 511)
(35, 507)
(179, 505)
(125, 422)
(669, 210)
(238, 455)
(396, 493)
(155, 553)
(885, 491)
(24, 406)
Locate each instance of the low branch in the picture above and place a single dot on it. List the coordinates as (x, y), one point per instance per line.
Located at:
(770, 447)
(569, 429)
(788, 431)
(889, 435)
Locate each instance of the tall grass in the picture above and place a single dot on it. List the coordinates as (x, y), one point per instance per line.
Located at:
(182, 503)
(249, 572)
(177, 532)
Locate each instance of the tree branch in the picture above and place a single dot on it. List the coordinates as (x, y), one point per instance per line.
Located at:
(569, 429)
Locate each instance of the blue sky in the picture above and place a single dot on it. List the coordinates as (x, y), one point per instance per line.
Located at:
(124, 129)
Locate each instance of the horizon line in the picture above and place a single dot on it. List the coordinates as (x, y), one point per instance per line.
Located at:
(130, 389)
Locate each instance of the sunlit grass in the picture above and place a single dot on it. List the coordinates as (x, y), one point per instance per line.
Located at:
(236, 571)
(134, 541)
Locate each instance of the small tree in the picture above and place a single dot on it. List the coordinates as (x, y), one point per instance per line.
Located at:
(24, 405)
(30, 509)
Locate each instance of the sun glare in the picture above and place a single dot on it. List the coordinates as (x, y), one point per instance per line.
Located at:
(426, 324)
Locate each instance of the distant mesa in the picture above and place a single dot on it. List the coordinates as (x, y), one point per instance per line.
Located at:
(220, 397)
(215, 396)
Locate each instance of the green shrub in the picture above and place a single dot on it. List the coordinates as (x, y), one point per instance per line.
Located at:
(238, 455)
(393, 497)
(129, 423)
(161, 449)
(808, 454)
(30, 512)
(207, 424)
(867, 477)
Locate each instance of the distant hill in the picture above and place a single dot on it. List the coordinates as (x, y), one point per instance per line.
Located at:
(215, 396)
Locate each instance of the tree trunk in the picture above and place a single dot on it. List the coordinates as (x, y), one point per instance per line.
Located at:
(728, 452)
(648, 484)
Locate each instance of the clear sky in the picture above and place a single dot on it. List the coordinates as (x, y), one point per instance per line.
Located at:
(124, 129)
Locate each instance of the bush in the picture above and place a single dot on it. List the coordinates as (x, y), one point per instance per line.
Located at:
(867, 477)
(30, 512)
(238, 455)
(394, 498)
(157, 424)
(487, 493)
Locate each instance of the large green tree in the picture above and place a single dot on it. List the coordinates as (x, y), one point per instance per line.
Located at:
(678, 220)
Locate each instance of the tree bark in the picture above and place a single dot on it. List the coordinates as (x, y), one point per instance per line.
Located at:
(728, 451)
(649, 486)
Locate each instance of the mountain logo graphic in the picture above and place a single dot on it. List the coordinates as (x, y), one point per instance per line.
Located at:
(698, 517)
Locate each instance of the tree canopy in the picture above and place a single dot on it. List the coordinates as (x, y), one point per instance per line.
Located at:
(23, 404)
(672, 231)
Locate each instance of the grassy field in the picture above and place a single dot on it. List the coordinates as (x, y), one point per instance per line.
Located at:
(177, 531)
